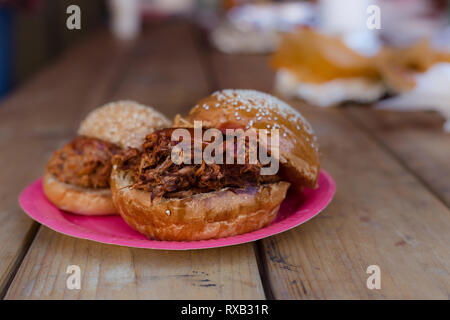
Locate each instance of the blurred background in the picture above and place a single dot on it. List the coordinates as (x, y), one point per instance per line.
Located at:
(326, 52)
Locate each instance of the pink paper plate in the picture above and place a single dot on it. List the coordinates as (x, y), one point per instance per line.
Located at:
(296, 209)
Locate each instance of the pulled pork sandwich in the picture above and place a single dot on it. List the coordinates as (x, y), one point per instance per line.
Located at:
(77, 175)
(169, 200)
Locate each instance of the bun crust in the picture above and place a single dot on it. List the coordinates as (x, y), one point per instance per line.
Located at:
(203, 216)
(299, 151)
(124, 123)
(76, 199)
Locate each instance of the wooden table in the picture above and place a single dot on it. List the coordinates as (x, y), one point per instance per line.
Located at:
(391, 208)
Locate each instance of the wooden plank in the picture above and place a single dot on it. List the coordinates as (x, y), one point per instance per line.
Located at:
(167, 74)
(35, 120)
(381, 215)
(113, 272)
(56, 99)
(417, 139)
(165, 70)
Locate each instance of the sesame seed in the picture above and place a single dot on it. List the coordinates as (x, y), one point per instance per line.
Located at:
(264, 104)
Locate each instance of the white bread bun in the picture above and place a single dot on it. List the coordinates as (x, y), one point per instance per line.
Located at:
(77, 199)
(124, 123)
(211, 215)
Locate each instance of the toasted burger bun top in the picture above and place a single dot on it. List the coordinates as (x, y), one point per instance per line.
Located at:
(125, 123)
(299, 151)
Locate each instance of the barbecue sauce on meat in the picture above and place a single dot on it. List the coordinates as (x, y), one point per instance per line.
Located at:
(154, 171)
(84, 162)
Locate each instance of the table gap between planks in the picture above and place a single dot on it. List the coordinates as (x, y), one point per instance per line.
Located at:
(163, 69)
(382, 213)
(391, 206)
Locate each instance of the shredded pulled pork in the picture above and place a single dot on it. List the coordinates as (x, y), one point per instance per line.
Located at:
(154, 171)
(85, 162)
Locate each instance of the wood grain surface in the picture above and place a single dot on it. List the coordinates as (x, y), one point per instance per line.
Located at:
(416, 139)
(381, 214)
(37, 119)
(164, 71)
(113, 272)
(390, 209)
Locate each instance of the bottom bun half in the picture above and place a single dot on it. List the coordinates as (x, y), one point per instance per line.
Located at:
(211, 215)
(84, 201)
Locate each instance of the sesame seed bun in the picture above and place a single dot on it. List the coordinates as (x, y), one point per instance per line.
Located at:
(299, 151)
(124, 123)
